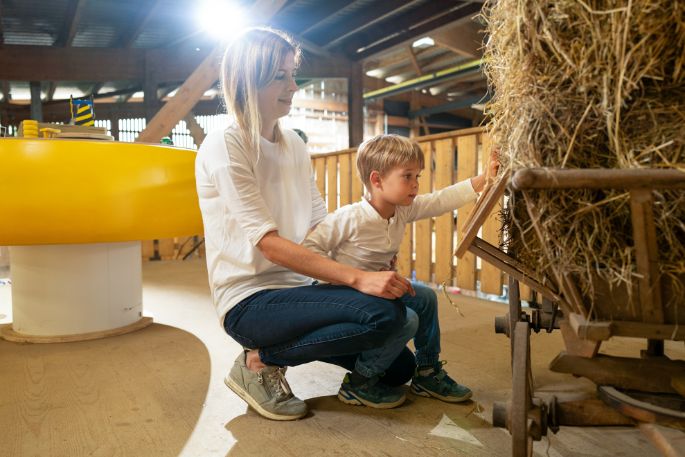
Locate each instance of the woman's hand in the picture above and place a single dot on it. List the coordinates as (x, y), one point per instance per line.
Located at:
(385, 284)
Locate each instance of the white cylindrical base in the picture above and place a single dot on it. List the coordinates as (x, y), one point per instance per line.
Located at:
(75, 289)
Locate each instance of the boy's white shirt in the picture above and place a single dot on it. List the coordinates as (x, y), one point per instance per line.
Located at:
(358, 236)
(242, 197)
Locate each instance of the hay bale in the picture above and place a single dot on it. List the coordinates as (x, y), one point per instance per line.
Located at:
(589, 84)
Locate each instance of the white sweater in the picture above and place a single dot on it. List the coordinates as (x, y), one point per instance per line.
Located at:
(358, 236)
(241, 199)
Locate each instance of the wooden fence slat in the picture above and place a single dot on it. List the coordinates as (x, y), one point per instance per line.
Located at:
(444, 225)
(423, 236)
(320, 171)
(467, 164)
(345, 180)
(490, 276)
(332, 183)
(404, 256)
(357, 185)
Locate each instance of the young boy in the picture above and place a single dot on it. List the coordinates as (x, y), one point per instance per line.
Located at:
(367, 235)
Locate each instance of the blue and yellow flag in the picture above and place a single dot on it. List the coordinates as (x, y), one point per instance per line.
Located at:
(82, 112)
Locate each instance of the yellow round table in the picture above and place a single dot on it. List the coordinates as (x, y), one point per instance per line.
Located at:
(74, 212)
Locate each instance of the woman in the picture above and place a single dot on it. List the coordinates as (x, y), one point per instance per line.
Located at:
(258, 201)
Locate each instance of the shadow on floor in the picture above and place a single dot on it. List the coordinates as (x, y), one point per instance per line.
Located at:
(135, 394)
(419, 427)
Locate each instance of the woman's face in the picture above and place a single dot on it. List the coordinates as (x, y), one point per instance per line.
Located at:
(275, 99)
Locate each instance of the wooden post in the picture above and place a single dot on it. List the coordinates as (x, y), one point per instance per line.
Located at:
(444, 225)
(467, 164)
(196, 131)
(36, 103)
(355, 104)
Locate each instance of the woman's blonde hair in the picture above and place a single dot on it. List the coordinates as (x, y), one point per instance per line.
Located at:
(382, 153)
(250, 63)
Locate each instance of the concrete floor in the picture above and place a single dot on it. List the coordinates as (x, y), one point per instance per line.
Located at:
(160, 391)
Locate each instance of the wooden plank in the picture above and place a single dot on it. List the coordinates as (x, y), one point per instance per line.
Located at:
(633, 178)
(603, 330)
(511, 267)
(491, 276)
(575, 345)
(444, 225)
(167, 248)
(147, 249)
(332, 183)
(423, 238)
(646, 255)
(196, 131)
(345, 180)
(404, 255)
(467, 166)
(197, 83)
(320, 173)
(622, 372)
(357, 184)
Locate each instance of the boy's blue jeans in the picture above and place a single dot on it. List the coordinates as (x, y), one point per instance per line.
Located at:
(336, 324)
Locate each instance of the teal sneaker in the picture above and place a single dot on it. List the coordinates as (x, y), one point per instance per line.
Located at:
(372, 393)
(438, 384)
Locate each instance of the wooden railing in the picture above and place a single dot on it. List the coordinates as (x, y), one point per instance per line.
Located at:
(427, 250)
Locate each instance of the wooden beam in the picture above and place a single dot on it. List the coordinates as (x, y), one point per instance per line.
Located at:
(329, 37)
(198, 82)
(196, 131)
(418, 31)
(603, 330)
(47, 63)
(464, 38)
(71, 21)
(51, 91)
(430, 17)
(36, 102)
(301, 20)
(355, 103)
(646, 255)
(622, 372)
(6, 94)
(2, 30)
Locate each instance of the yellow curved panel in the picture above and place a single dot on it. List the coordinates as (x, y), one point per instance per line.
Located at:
(80, 191)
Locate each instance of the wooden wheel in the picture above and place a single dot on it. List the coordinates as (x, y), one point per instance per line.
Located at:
(514, 311)
(519, 423)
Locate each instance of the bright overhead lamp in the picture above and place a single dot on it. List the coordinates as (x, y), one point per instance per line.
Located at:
(222, 19)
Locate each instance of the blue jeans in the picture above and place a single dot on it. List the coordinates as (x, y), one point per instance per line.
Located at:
(324, 322)
(422, 307)
(427, 338)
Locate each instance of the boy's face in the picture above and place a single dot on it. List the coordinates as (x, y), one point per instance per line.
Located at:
(400, 185)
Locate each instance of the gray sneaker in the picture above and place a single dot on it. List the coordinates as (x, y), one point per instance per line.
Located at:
(266, 391)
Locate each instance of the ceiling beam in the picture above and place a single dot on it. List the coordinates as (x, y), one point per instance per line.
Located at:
(459, 71)
(46, 63)
(303, 19)
(397, 23)
(418, 31)
(465, 39)
(72, 18)
(331, 36)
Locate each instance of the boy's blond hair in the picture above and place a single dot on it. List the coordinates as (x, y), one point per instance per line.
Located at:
(382, 153)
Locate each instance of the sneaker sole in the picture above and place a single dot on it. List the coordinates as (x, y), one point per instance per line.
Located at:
(429, 394)
(239, 391)
(351, 399)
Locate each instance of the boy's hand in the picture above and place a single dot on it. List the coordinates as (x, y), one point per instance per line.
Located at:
(385, 284)
(481, 181)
